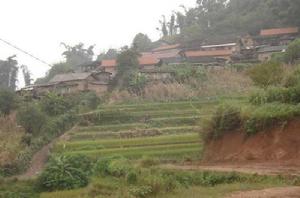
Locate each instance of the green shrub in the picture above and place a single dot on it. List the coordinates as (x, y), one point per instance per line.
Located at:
(266, 74)
(212, 179)
(81, 162)
(293, 79)
(8, 101)
(141, 191)
(132, 177)
(63, 173)
(137, 83)
(54, 105)
(119, 167)
(90, 100)
(31, 118)
(240, 66)
(225, 119)
(184, 73)
(147, 161)
(268, 115)
(101, 167)
(277, 94)
(293, 51)
(278, 57)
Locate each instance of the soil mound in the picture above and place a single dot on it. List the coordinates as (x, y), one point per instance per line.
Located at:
(280, 144)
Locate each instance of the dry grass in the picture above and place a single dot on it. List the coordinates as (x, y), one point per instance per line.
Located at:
(10, 139)
(226, 82)
(220, 82)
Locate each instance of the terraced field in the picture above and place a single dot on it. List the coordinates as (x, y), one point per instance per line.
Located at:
(169, 131)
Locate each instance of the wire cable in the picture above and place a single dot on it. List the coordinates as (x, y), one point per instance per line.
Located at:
(25, 52)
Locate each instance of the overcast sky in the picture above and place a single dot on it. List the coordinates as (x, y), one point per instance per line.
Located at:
(39, 26)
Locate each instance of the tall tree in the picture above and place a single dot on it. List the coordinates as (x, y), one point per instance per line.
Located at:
(127, 63)
(26, 75)
(171, 24)
(58, 68)
(8, 73)
(110, 54)
(163, 28)
(142, 42)
(77, 55)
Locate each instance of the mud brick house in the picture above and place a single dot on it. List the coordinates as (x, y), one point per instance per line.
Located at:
(74, 83)
(210, 54)
(168, 54)
(109, 66)
(277, 36)
(148, 61)
(265, 53)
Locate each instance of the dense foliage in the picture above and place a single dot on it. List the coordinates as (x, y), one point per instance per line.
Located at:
(293, 51)
(225, 119)
(220, 18)
(8, 73)
(267, 74)
(64, 173)
(53, 104)
(142, 42)
(31, 118)
(8, 101)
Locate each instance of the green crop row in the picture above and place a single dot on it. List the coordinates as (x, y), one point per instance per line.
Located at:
(138, 132)
(135, 142)
(165, 151)
(162, 106)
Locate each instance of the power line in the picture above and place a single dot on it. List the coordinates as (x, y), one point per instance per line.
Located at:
(25, 52)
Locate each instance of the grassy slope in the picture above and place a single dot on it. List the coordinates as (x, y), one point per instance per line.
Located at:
(178, 139)
(170, 130)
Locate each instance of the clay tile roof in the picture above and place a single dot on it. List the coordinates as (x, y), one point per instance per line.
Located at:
(148, 60)
(201, 53)
(166, 47)
(166, 54)
(69, 77)
(279, 31)
(109, 63)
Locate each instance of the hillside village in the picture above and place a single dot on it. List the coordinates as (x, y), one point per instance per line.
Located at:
(211, 109)
(96, 76)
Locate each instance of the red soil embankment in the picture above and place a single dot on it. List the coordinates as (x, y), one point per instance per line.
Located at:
(280, 144)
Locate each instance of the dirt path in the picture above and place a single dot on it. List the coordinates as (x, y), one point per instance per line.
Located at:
(37, 163)
(284, 192)
(254, 168)
(39, 159)
(258, 168)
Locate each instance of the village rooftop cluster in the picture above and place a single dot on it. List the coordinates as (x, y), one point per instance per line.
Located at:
(96, 76)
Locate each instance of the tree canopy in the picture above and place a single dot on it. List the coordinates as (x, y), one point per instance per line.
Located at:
(142, 42)
(109, 54)
(8, 73)
(77, 55)
(211, 18)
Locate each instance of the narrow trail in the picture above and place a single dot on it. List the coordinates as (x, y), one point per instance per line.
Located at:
(39, 159)
(283, 192)
(250, 168)
(271, 169)
(37, 162)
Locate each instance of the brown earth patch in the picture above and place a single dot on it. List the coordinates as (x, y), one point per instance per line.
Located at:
(286, 192)
(280, 145)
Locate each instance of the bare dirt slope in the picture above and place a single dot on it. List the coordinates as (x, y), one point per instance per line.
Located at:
(272, 152)
(280, 144)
